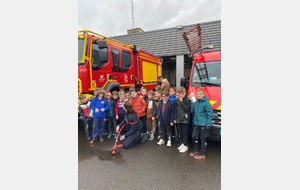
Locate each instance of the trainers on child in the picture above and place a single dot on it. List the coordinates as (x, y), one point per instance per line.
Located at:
(92, 141)
(161, 141)
(199, 157)
(101, 138)
(109, 135)
(169, 143)
(194, 153)
(183, 149)
(120, 137)
(151, 137)
(179, 148)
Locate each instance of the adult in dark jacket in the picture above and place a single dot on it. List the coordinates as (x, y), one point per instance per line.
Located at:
(183, 118)
(132, 131)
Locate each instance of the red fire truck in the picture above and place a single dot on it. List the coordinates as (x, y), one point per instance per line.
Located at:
(106, 63)
(206, 74)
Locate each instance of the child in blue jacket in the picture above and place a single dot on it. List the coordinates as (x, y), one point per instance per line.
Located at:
(110, 113)
(100, 106)
(202, 117)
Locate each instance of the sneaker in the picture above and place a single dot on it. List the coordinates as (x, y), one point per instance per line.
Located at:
(194, 153)
(89, 138)
(109, 135)
(92, 141)
(183, 149)
(179, 148)
(101, 138)
(199, 157)
(120, 137)
(151, 137)
(158, 137)
(169, 143)
(145, 136)
(142, 139)
(160, 142)
(115, 136)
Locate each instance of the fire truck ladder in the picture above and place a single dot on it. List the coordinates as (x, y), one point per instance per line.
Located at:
(192, 39)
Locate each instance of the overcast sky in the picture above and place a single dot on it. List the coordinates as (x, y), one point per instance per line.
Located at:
(113, 17)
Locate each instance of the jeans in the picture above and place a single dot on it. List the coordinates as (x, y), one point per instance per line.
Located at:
(99, 126)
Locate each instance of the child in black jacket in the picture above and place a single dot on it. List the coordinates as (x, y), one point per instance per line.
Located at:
(165, 112)
(132, 131)
(182, 118)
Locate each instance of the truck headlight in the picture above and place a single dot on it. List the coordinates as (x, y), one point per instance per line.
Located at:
(192, 97)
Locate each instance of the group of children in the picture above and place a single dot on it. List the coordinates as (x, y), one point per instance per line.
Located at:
(169, 112)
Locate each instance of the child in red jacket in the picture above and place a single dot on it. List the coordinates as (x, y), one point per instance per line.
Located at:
(139, 106)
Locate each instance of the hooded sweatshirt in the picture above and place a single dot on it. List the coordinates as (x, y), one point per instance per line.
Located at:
(172, 98)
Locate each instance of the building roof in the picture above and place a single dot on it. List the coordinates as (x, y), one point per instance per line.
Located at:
(169, 41)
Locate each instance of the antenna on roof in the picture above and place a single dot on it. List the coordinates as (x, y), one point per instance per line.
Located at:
(132, 13)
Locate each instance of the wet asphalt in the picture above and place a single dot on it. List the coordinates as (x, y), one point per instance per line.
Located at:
(145, 166)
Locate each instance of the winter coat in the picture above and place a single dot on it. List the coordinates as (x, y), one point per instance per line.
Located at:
(119, 106)
(172, 98)
(96, 103)
(133, 121)
(156, 103)
(165, 85)
(168, 114)
(84, 109)
(202, 112)
(183, 110)
(111, 111)
(139, 105)
(149, 110)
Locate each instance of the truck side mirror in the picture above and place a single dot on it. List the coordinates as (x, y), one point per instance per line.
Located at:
(103, 57)
(102, 44)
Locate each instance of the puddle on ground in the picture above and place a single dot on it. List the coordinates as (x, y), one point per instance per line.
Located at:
(107, 156)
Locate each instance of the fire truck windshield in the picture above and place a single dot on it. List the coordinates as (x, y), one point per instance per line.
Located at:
(206, 74)
(81, 49)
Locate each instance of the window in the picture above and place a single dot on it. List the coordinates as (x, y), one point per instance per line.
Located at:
(126, 60)
(95, 56)
(115, 55)
(81, 48)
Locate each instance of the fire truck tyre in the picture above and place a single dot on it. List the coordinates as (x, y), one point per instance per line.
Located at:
(112, 86)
